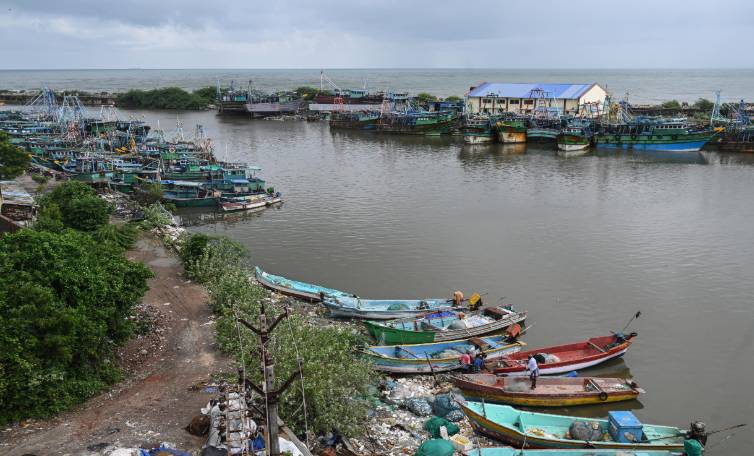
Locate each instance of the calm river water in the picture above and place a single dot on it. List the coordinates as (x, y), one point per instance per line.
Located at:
(581, 243)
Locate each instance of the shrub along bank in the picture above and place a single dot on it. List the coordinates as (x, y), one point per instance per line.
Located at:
(67, 291)
(335, 380)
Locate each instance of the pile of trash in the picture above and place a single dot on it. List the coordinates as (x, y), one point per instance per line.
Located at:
(411, 412)
(165, 449)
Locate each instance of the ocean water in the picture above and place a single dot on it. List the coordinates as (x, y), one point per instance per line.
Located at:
(643, 86)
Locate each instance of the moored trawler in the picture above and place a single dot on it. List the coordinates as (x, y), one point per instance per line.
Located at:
(477, 129)
(418, 122)
(576, 137)
(360, 120)
(672, 135)
(512, 130)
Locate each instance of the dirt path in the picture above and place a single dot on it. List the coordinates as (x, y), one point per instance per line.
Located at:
(161, 396)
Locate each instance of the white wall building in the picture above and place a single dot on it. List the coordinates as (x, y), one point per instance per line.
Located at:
(523, 98)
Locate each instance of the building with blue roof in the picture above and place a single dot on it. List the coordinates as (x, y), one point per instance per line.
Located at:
(524, 98)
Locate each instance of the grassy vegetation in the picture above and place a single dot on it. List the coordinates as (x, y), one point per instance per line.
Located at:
(336, 379)
(167, 98)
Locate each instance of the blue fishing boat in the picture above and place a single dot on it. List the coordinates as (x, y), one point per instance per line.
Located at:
(647, 133)
(541, 430)
(438, 356)
(508, 451)
(383, 309)
(301, 290)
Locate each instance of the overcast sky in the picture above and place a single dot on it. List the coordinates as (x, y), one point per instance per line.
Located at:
(39, 34)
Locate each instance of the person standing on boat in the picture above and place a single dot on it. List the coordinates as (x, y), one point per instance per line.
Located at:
(479, 360)
(533, 368)
(465, 362)
(457, 298)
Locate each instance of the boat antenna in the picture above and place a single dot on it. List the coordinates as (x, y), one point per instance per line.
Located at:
(636, 315)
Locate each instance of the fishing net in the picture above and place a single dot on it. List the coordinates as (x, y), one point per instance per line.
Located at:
(444, 404)
(436, 447)
(447, 353)
(434, 424)
(581, 430)
(419, 406)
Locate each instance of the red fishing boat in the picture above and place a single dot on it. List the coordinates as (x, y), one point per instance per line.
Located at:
(561, 359)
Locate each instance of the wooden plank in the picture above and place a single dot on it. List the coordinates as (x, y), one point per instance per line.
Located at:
(598, 348)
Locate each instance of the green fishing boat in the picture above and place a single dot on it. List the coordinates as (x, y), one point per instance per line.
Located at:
(444, 325)
(188, 194)
(541, 430)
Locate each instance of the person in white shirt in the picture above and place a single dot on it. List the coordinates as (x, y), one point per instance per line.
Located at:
(533, 370)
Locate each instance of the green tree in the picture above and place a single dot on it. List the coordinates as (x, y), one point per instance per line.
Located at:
(80, 208)
(124, 236)
(209, 94)
(704, 104)
(49, 218)
(65, 303)
(424, 97)
(13, 159)
(165, 98)
(454, 99)
(87, 214)
(148, 193)
(306, 92)
(672, 104)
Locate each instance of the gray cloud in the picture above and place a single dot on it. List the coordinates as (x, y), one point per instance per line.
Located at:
(361, 33)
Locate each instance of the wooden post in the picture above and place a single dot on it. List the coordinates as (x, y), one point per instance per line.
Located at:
(267, 389)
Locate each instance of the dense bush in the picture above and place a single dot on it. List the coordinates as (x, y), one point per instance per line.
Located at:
(166, 98)
(64, 305)
(124, 236)
(13, 159)
(148, 193)
(79, 206)
(206, 258)
(672, 104)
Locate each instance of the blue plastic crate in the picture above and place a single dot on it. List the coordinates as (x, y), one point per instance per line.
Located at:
(623, 424)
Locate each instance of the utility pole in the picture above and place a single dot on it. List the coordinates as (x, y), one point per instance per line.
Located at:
(267, 389)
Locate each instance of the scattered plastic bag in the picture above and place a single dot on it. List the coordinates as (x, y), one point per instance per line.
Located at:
(419, 406)
(436, 447)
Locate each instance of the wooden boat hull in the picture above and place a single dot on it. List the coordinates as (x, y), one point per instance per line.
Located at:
(375, 309)
(193, 202)
(550, 391)
(301, 290)
(580, 355)
(418, 361)
(511, 137)
(235, 206)
(387, 335)
(518, 439)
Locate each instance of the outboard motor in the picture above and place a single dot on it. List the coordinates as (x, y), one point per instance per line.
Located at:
(698, 432)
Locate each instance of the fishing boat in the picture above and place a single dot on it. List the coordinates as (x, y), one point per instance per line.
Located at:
(249, 202)
(540, 430)
(301, 290)
(359, 120)
(674, 135)
(511, 130)
(383, 309)
(543, 130)
(438, 356)
(445, 325)
(477, 129)
(509, 451)
(187, 194)
(550, 391)
(417, 122)
(561, 359)
(574, 138)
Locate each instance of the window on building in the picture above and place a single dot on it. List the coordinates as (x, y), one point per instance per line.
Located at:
(486, 100)
(513, 101)
(528, 102)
